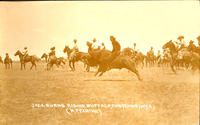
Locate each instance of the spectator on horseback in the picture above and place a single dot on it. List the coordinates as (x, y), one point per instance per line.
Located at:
(116, 48)
(25, 53)
(7, 56)
(151, 51)
(134, 50)
(191, 46)
(75, 48)
(52, 54)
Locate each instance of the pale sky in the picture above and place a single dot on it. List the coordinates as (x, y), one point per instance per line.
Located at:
(41, 25)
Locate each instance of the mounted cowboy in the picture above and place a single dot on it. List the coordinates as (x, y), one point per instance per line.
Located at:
(134, 50)
(52, 54)
(7, 56)
(191, 47)
(75, 49)
(116, 48)
(8, 61)
(151, 52)
(25, 53)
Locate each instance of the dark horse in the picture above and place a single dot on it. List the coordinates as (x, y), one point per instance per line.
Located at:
(188, 59)
(8, 62)
(74, 57)
(121, 61)
(23, 61)
(53, 60)
(173, 52)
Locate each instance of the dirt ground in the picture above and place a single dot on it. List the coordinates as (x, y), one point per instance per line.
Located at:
(174, 97)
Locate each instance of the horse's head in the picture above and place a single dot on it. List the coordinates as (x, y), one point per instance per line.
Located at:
(89, 44)
(66, 49)
(166, 45)
(18, 53)
(44, 55)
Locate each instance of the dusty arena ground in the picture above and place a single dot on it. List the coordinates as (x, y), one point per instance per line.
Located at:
(174, 98)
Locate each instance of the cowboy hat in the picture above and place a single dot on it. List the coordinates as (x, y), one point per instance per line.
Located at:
(25, 47)
(88, 43)
(53, 48)
(112, 37)
(94, 40)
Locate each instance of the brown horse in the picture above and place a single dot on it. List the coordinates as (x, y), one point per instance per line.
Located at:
(33, 59)
(187, 57)
(75, 57)
(102, 59)
(173, 54)
(150, 59)
(139, 58)
(54, 60)
(8, 62)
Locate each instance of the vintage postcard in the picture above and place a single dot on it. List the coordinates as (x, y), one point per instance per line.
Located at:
(99, 62)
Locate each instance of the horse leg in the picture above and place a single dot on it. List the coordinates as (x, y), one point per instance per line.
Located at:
(51, 66)
(57, 65)
(21, 66)
(142, 64)
(88, 68)
(134, 70)
(104, 68)
(48, 67)
(24, 66)
(32, 66)
(70, 65)
(172, 66)
(99, 70)
(35, 66)
(73, 63)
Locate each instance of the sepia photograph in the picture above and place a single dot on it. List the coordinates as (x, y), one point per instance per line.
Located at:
(99, 62)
